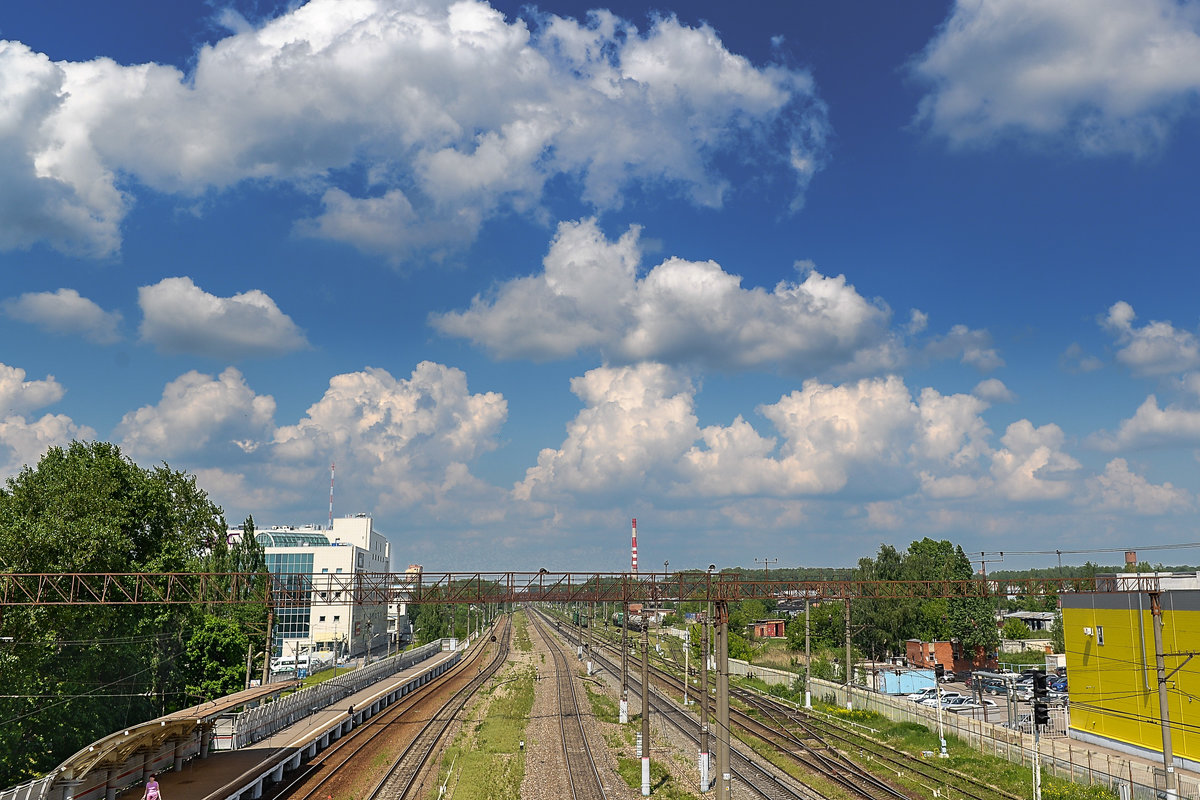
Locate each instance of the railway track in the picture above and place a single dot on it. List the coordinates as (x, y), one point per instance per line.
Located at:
(813, 725)
(401, 780)
(760, 781)
(326, 775)
(582, 772)
(824, 747)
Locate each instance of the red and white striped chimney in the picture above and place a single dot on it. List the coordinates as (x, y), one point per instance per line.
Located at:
(635, 545)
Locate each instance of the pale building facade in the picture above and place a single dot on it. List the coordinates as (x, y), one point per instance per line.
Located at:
(321, 563)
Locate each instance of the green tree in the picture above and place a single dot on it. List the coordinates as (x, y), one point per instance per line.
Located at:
(1057, 637)
(82, 672)
(213, 663)
(1015, 629)
(881, 626)
(430, 624)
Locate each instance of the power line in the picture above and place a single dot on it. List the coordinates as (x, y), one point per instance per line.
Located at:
(1084, 551)
(66, 700)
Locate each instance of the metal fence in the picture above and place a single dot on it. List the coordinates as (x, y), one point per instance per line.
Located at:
(1061, 756)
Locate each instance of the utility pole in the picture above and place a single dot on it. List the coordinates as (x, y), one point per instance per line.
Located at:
(705, 751)
(724, 778)
(645, 710)
(591, 633)
(624, 718)
(766, 562)
(937, 690)
(1164, 711)
(807, 657)
(849, 669)
(269, 646)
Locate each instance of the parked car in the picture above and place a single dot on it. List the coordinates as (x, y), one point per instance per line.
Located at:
(994, 686)
(932, 701)
(1059, 686)
(972, 704)
(964, 676)
(924, 694)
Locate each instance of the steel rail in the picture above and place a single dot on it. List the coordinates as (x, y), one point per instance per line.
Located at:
(762, 782)
(582, 772)
(402, 776)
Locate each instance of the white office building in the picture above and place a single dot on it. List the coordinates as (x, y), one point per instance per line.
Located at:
(331, 619)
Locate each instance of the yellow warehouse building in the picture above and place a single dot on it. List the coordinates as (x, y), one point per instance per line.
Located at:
(1112, 675)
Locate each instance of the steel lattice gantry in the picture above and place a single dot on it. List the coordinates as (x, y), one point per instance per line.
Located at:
(377, 588)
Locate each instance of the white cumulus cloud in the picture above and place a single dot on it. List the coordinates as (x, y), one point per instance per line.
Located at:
(410, 440)
(65, 311)
(1104, 75)
(24, 441)
(1152, 425)
(1156, 348)
(1032, 464)
(589, 296)
(198, 412)
(48, 194)
(450, 111)
(180, 317)
(971, 347)
(1120, 489)
(19, 396)
(636, 420)
(638, 431)
(993, 390)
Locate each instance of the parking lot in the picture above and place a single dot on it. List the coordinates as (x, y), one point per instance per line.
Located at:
(1022, 712)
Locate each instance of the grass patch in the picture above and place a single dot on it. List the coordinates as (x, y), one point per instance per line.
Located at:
(661, 783)
(491, 765)
(769, 753)
(521, 632)
(775, 653)
(604, 708)
(914, 739)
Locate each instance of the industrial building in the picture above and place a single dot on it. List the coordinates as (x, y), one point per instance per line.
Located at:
(1111, 664)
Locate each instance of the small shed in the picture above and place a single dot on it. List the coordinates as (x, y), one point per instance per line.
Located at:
(769, 629)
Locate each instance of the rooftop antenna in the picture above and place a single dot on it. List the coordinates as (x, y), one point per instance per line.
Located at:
(331, 495)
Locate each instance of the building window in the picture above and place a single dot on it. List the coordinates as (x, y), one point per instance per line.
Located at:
(339, 569)
(322, 618)
(337, 618)
(324, 569)
(1099, 634)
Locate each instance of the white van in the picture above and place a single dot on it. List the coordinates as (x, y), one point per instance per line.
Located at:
(288, 664)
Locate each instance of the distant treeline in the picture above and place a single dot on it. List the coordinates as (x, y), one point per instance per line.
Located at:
(1086, 570)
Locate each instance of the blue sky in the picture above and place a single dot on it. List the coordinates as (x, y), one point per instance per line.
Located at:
(785, 281)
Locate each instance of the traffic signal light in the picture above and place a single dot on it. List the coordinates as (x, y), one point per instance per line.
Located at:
(1041, 713)
(1039, 686)
(939, 671)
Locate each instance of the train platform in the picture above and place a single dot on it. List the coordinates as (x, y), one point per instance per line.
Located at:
(242, 773)
(230, 747)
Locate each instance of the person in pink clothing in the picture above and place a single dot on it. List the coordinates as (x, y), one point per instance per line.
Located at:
(152, 792)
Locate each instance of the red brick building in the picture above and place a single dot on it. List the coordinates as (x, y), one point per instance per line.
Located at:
(768, 629)
(951, 655)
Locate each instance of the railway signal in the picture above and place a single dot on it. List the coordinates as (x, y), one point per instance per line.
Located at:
(1041, 716)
